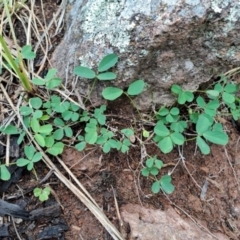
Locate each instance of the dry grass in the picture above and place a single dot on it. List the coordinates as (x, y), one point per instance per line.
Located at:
(18, 11)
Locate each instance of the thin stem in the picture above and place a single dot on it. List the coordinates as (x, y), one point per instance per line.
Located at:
(133, 103)
(90, 92)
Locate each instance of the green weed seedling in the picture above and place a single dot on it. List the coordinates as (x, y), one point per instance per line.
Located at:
(105, 64)
(50, 81)
(32, 156)
(42, 194)
(153, 166)
(135, 88)
(172, 126)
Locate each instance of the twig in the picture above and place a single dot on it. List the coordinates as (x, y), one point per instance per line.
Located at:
(15, 228)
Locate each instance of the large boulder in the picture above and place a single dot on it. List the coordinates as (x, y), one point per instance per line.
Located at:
(160, 41)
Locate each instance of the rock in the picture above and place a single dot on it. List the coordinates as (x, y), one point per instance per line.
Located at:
(160, 41)
(154, 224)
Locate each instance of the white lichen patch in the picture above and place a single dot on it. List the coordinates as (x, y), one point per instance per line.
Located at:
(109, 21)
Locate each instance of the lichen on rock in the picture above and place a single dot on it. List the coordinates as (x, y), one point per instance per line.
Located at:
(160, 41)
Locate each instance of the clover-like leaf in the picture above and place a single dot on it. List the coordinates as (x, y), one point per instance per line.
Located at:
(107, 62)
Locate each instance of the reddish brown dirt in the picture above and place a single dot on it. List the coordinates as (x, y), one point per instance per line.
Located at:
(219, 211)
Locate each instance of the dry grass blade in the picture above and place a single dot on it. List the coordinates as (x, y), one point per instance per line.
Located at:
(82, 194)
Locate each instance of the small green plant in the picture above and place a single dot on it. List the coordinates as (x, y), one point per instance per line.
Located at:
(194, 117)
(42, 194)
(153, 166)
(32, 156)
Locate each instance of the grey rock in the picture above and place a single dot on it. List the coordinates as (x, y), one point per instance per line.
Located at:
(146, 223)
(160, 41)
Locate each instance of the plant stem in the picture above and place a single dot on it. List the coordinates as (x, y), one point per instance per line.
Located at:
(133, 103)
(20, 71)
(90, 92)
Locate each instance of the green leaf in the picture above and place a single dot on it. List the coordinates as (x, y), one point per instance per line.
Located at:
(84, 72)
(91, 137)
(67, 115)
(166, 145)
(107, 62)
(68, 131)
(178, 126)
(80, 146)
(189, 96)
(35, 102)
(145, 172)
(58, 122)
(74, 107)
(20, 138)
(230, 88)
(154, 171)
(214, 104)
(106, 76)
(106, 147)
(200, 101)
(27, 52)
(58, 134)
(205, 149)
(158, 163)
(136, 87)
(38, 114)
(46, 190)
(145, 133)
(30, 166)
(218, 87)
(216, 137)
(45, 129)
(37, 192)
(50, 74)
(10, 129)
(62, 107)
(203, 124)
(49, 141)
(128, 132)
(156, 187)
(21, 162)
(163, 111)
(161, 130)
(37, 157)
(53, 83)
(4, 173)
(182, 98)
(176, 89)
(149, 162)
(170, 118)
(40, 139)
(112, 93)
(177, 138)
(102, 119)
(35, 125)
(29, 151)
(228, 97)
(56, 149)
(38, 81)
(212, 93)
(174, 111)
(166, 184)
(75, 116)
(113, 143)
(25, 110)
